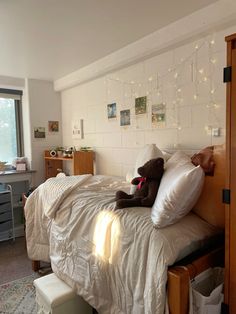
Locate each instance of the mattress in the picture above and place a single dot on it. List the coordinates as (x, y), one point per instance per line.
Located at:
(116, 260)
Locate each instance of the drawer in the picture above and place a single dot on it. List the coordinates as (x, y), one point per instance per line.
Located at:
(5, 216)
(5, 235)
(4, 226)
(5, 197)
(5, 207)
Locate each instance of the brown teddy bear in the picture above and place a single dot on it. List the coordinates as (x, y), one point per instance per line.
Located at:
(147, 186)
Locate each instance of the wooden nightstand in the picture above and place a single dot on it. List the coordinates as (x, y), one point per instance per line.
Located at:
(82, 163)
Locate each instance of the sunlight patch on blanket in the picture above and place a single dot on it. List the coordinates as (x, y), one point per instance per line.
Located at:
(106, 236)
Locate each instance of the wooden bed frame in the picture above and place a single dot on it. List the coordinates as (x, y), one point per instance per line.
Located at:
(179, 276)
(210, 208)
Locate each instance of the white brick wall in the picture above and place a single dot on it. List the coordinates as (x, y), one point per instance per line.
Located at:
(116, 147)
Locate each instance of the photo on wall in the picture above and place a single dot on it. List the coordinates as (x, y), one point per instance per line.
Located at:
(125, 117)
(53, 126)
(39, 132)
(141, 105)
(77, 129)
(111, 111)
(159, 115)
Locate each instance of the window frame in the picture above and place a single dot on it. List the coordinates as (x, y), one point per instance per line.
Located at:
(17, 96)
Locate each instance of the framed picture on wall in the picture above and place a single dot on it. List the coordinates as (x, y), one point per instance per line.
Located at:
(141, 105)
(39, 132)
(53, 126)
(78, 129)
(111, 111)
(159, 115)
(124, 117)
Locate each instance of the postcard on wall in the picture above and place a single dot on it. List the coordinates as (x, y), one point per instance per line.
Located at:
(141, 105)
(39, 132)
(53, 126)
(111, 111)
(124, 117)
(77, 129)
(159, 115)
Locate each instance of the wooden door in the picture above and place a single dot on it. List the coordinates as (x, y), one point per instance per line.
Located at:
(230, 228)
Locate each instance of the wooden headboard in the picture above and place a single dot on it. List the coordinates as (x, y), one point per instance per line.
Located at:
(210, 206)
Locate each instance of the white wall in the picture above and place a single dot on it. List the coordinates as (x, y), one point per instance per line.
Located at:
(40, 104)
(12, 82)
(44, 105)
(188, 121)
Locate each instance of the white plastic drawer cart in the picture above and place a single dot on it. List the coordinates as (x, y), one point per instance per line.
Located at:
(7, 230)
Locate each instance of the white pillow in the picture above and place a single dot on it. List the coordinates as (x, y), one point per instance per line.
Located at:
(180, 188)
(149, 151)
(166, 155)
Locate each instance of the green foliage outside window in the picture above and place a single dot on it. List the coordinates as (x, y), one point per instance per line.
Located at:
(8, 140)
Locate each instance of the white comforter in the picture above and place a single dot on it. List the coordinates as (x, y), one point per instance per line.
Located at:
(116, 260)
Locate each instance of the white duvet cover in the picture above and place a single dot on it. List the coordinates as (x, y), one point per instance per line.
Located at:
(116, 260)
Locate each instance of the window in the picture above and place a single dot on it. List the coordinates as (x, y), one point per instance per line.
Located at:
(11, 144)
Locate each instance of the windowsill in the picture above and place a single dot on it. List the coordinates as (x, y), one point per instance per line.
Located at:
(11, 172)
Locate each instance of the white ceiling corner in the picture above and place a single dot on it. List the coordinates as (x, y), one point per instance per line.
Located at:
(52, 39)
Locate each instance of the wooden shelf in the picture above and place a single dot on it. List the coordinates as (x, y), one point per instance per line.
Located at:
(82, 163)
(58, 158)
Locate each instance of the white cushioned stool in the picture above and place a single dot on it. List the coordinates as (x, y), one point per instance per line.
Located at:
(54, 296)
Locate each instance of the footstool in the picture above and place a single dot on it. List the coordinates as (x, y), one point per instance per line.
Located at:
(54, 296)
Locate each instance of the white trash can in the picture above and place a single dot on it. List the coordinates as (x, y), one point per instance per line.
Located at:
(207, 291)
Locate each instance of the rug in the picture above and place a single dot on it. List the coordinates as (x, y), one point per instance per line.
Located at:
(18, 296)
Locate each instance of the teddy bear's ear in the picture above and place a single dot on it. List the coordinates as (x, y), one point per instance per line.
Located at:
(152, 169)
(160, 161)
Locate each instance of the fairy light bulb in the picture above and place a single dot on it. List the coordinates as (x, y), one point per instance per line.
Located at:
(213, 60)
(212, 91)
(205, 79)
(201, 71)
(196, 46)
(212, 42)
(176, 75)
(195, 96)
(179, 90)
(150, 78)
(132, 82)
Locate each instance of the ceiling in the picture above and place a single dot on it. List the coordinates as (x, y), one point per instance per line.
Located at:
(47, 39)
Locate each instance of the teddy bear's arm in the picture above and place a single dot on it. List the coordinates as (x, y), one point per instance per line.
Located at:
(152, 192)
(135, 181)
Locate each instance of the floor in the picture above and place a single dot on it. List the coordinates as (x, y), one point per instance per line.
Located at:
(14, 262)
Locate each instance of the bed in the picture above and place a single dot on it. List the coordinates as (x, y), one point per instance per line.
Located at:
(116, 260)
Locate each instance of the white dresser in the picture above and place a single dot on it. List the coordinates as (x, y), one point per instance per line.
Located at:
(7, 228)
(16, 183)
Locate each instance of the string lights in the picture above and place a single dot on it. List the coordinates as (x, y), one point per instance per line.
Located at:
(155, 86)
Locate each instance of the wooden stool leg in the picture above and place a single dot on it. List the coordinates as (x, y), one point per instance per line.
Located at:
(35, 265)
